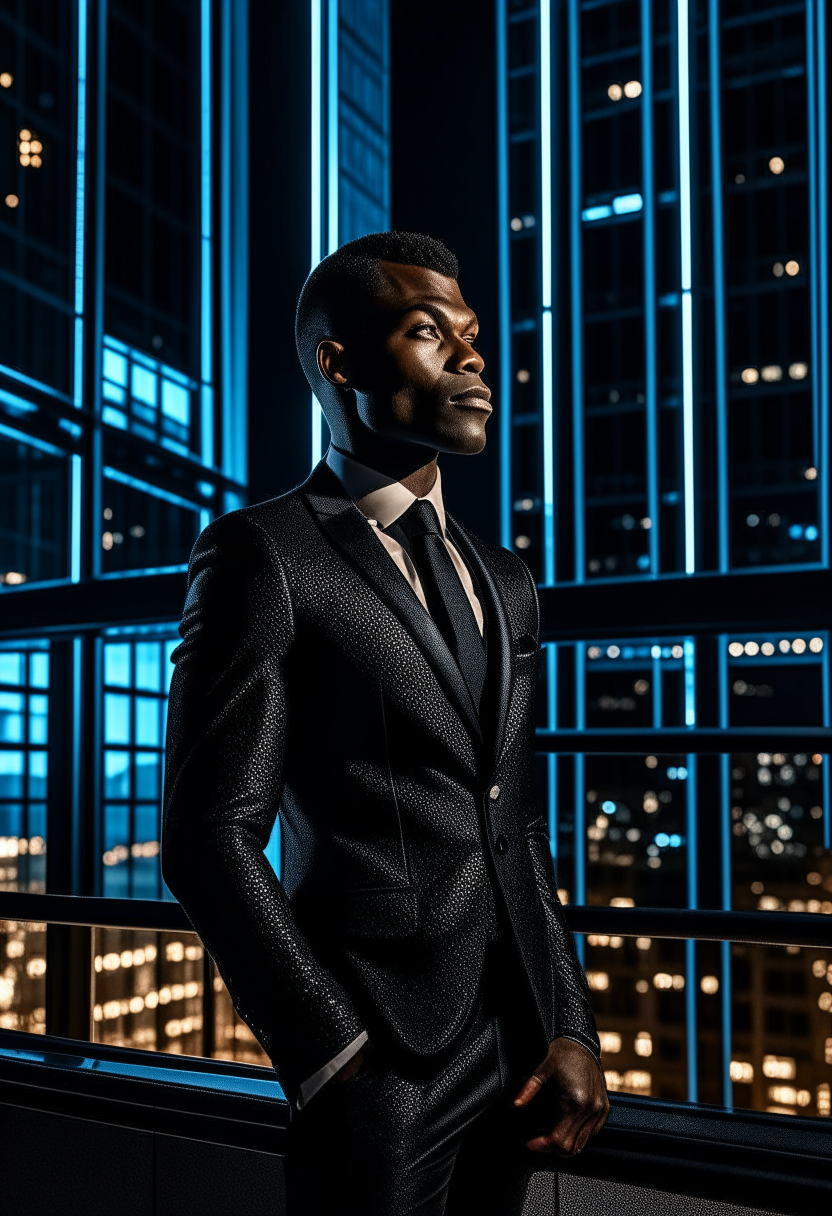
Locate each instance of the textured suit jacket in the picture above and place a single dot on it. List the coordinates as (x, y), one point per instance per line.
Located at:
(310, 680)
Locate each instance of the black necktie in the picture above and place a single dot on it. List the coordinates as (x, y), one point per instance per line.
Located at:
(447, 602)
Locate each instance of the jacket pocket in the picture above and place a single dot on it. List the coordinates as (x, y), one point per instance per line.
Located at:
(376, 915)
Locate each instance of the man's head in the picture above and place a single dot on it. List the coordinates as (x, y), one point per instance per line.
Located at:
(386, 342)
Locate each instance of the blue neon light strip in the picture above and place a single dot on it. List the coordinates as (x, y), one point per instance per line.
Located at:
(75, 519)
(9, 432)
(316, 200)
(503, 277)
(80, 197)
(818, 221)
(686, 257)
(14, 374)
(546, 153)
(725, 869)
(720, 316)
(147, 488)
(651, 392)
(205, 196)
(690, 1019)
(580, 780)
(625, 204)
(546, 328)
(551, 759)
(546, 338)
(332, 125)
(576, 292)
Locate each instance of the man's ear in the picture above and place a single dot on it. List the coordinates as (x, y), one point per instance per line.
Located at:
(332, 362)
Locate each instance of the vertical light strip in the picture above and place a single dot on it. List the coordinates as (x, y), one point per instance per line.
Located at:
(551, 759)
(720, 316)
(80, 207)
(546, 153)
(503, 277)
(651, 391)
(658, 710)
(576, 292)
(206, 351)
(316, 199)
(76, 473)
(686, 258)
(546, 339)
(823, 298)
(332, 175)
(691, 988)
(689, 648)
(725, 868)
(546, 327)
(579, 843)
(818, 221)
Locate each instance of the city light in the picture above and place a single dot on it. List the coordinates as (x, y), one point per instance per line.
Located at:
(632, 88)
(643, 1043)
(615, 92)
(799, 371)
(782, 1068)
(12, 201)
(6, 80)
(598, 981)
(709, 984)
(792, 268)
(610, 1041)
(777, 165)
(741, 1071)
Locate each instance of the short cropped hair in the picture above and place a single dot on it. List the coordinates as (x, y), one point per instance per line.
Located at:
(334, 298)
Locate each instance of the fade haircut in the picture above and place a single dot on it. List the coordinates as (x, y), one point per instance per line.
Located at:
(335, 298)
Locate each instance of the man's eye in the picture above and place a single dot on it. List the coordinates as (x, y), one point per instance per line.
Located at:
(428, 330)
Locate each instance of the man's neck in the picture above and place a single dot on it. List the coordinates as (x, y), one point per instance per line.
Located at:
(402, 462)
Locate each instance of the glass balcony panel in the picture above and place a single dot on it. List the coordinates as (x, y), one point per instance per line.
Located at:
(147, 990)
(781, 1029)
(23, 975)
(637, 987)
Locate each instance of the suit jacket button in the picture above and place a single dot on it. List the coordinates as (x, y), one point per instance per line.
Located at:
(501, 845)
(494, 793)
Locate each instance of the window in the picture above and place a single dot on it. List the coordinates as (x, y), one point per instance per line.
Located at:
(124, 351)
(663, 305)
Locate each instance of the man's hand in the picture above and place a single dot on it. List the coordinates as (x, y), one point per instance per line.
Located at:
(572, 1083)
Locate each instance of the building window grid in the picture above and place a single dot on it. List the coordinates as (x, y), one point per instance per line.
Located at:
(148, 397)
(653, 528)
(24, 764)
(136, 674)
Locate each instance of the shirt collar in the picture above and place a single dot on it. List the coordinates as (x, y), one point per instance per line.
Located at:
(377, 496)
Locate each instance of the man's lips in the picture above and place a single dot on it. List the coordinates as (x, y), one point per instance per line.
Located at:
(473, 398)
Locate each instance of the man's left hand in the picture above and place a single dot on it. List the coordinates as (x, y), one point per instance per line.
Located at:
(572, 1081)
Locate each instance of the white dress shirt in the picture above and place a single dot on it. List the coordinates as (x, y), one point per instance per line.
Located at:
(381, 500)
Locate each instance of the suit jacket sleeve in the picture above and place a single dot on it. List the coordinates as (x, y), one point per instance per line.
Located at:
(223, 785)
(574, 1018)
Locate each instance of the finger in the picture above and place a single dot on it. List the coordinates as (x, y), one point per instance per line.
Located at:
(531, 1087)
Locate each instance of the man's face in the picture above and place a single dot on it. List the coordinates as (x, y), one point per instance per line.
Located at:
(416, 375)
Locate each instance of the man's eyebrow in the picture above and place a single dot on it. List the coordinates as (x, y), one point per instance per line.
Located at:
(434, 310)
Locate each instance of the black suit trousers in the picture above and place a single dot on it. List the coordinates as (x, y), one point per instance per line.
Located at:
(399, 1140)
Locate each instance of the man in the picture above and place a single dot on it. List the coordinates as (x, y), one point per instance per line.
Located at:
(357, 660)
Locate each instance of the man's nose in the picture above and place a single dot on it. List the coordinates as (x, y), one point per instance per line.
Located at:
(466, 359)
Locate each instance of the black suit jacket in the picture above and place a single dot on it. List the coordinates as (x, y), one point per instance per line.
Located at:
(310, 680)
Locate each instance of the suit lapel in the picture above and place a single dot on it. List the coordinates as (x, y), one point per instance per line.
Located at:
(499, 634)
(349, 533)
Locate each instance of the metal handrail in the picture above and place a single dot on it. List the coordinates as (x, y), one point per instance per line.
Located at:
(754, 928)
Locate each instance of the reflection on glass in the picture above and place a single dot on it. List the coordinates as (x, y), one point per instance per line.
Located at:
(232, 1038)
(23, 976)
(778, 862)
(24, 738)
(637, 986)
(141, 531)
(148, 990)
(149, 993)
(34, 501)
(781, 1048)
(38, 231)
(137, 673)
(636, 815)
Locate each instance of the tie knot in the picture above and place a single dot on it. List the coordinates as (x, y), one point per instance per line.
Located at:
(420, 519)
